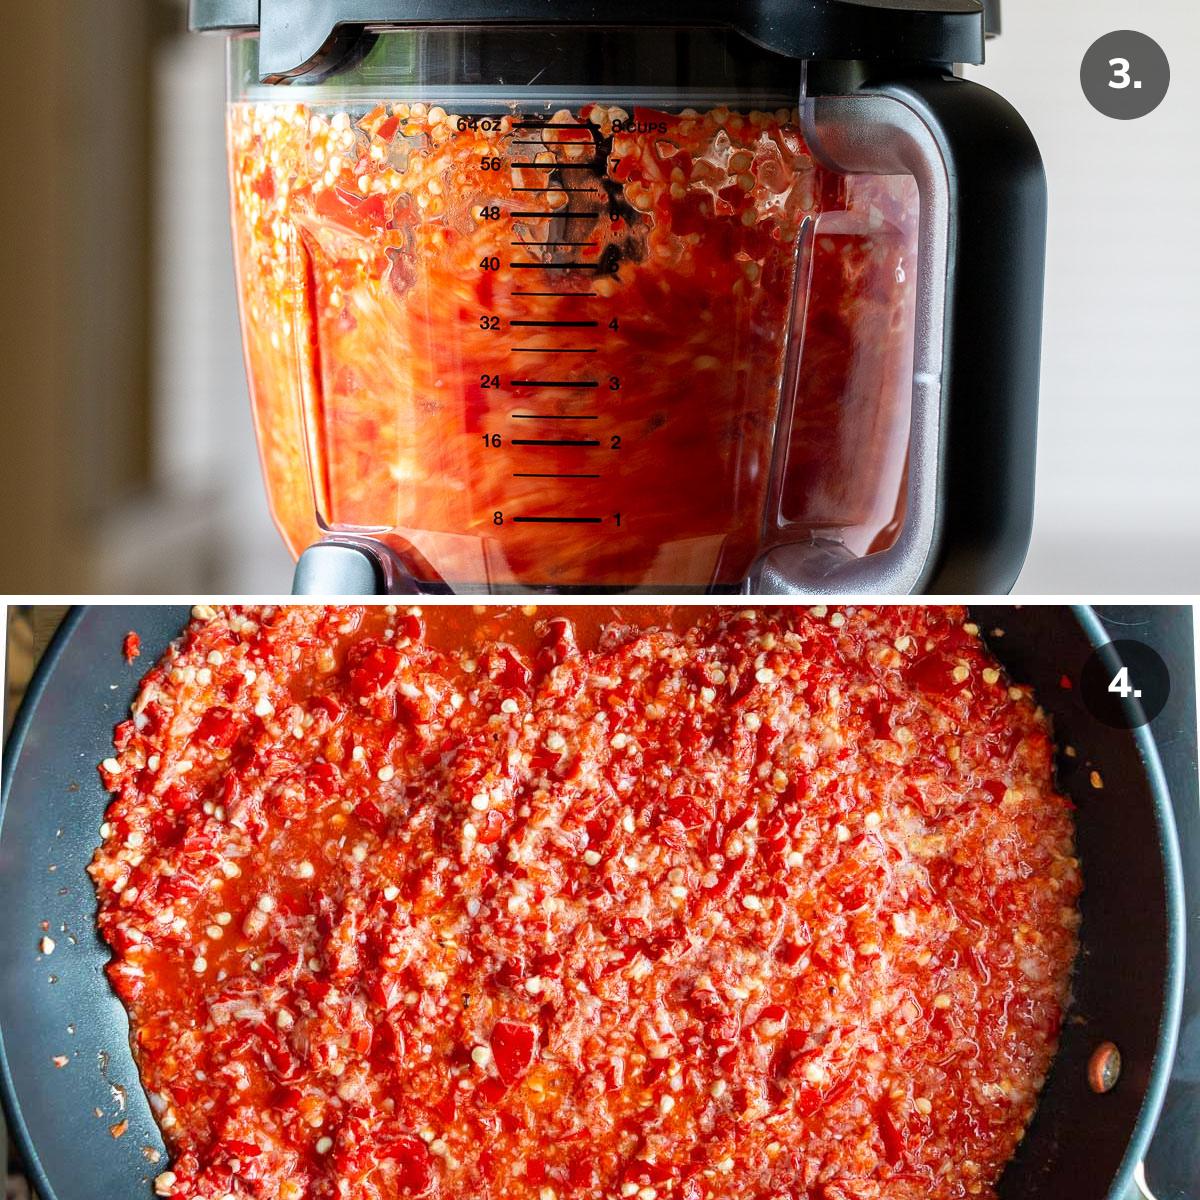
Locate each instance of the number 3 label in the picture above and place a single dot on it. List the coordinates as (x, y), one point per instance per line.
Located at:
(1120, 78)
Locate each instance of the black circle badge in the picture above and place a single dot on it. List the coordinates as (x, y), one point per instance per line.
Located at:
(1125, 684)
(1125, 75)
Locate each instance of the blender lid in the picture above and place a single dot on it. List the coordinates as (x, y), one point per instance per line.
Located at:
(992, 25)
(299, 37)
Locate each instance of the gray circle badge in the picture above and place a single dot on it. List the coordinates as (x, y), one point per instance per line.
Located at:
(1125, 75)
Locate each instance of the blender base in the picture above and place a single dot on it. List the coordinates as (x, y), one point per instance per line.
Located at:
(346, 566)
(335, 568)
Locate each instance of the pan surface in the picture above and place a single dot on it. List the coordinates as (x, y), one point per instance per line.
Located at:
(1127, 987)
(50, 817)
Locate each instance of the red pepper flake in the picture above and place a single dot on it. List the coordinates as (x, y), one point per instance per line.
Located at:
(491, 1089)
(413, 1164)
(60, 1061)
(512, 1048)
(233, 1148)
(264, 185)
(387, 130)
(131, 647)
(217, 727)
(895, 1144)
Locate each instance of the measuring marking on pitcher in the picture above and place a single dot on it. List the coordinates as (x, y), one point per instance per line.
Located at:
(562, 324)
(554, 442)
(557, 520)
(553, 166)
(562, 212)
(567, 266)
(566, 237)
(556, 383)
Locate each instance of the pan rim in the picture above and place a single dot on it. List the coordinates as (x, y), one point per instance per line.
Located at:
(1173, 985)
(13, 746)
(1164, 1056)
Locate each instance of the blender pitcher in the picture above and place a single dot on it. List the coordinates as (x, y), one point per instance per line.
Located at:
(558, 296)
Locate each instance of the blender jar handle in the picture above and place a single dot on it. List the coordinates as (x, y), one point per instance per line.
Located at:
(976, 368)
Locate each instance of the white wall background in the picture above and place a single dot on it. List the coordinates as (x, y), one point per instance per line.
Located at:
(1118, 476)
(204, 441)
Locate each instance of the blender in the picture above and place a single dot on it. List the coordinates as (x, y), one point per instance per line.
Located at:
(642, 297)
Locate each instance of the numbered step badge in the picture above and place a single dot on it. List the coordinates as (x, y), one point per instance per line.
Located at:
(1125, 684)
(1125, 75)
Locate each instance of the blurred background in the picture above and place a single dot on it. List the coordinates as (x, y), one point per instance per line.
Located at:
(127, 455)
(127, 459)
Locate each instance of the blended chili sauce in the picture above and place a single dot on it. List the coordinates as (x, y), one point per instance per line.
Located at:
(396, 277)
(697, 903)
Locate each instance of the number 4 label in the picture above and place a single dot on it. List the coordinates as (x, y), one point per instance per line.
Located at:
(1121, 686)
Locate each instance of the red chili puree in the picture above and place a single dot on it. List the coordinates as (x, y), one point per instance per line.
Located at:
(690, 904)
(556, 350)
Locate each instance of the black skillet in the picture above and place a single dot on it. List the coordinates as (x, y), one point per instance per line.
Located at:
(1081, 1146)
